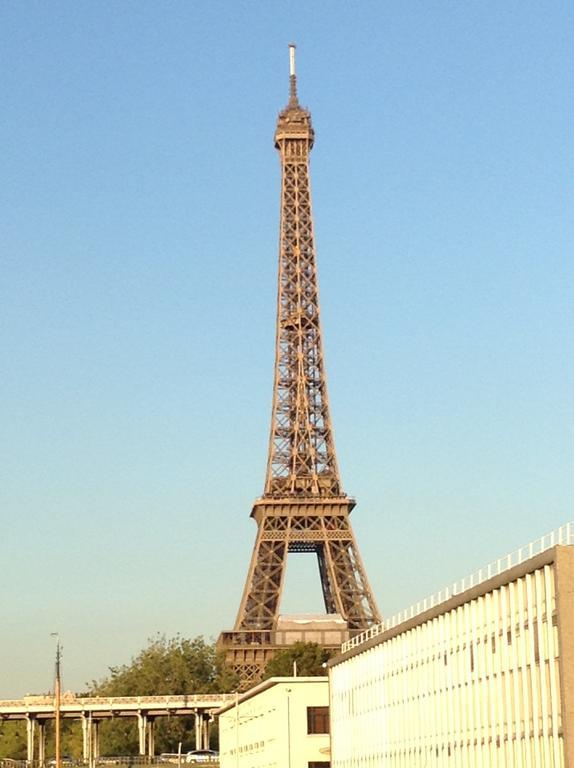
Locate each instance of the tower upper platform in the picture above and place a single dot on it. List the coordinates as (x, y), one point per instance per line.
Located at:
(294, 121)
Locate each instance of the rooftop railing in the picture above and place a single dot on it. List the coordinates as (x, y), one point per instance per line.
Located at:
(561, 536)
(333, 636)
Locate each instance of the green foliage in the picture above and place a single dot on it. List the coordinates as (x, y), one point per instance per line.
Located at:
(13, 739)
(310, 658)
(72, 740)
(166, 666)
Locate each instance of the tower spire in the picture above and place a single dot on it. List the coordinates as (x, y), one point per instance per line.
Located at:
(293, 101)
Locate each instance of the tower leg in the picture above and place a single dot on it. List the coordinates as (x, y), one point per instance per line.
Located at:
(260, 603)
(354, 595)
(325, 573)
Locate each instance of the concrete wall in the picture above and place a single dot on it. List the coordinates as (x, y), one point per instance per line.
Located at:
(268, 726)
(565, 622)
(486, 680)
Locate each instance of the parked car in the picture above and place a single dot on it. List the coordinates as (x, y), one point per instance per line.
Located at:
(202, 756)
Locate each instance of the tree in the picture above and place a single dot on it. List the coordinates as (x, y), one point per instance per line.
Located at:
(166, 666)
(310, 658)
(13, 739)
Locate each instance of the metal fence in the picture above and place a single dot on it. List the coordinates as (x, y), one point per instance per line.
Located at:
(123, 760)
(7, 762)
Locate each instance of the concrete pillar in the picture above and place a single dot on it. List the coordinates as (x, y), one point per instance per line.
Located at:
(202, 720)
(206, 724)
(151, 736)
(30, 734)
(90, 741)
(86, 751)
(41, 742)
(95, 736)
(142, 729)
(197, 724)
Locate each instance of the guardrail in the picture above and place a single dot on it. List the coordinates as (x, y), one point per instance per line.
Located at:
(7, 762)
(273, 637)
(561, 536)
(124, 760)
(71, 703)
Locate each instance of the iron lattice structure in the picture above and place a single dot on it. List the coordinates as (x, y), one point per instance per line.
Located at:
(303, 508)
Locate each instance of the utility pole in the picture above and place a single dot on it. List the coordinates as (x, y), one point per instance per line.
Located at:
(57, 698)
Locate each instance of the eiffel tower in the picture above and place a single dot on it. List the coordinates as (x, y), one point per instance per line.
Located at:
(303, 507)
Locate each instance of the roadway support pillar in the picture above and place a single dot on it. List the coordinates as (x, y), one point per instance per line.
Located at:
(142, 727)
(90, 741)
(41, 742)
(202, 721)
(30, 737)
(146, 734)
(86, 745)
(95, 739)
(150, 736)
(208, 720)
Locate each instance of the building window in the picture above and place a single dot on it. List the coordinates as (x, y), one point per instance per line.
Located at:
(536, 641)
(318, 721)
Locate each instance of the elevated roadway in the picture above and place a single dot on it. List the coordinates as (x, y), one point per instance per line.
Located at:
(91, 710)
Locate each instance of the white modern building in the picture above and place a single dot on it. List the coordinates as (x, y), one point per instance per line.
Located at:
(479, 676)
(281, 723)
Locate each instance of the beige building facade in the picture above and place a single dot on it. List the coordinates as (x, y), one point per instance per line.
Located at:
(481, 676)
(281, 723)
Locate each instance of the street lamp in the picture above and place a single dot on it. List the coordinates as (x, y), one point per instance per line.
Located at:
(237, 728)
(57, 697)
(288, 691)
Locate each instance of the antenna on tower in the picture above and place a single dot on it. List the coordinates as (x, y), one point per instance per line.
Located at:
(292, 75)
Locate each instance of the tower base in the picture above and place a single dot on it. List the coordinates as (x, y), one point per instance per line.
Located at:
(248, 652)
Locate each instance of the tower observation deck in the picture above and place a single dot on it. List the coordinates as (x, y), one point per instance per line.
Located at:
(303, 507)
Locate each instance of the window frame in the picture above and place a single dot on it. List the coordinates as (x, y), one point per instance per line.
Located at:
(318, 720)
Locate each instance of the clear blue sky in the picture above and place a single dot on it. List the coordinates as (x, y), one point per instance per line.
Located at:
(138, 242)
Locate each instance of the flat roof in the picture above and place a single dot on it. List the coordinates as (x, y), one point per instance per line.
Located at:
(269, 683)
(506, 576)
